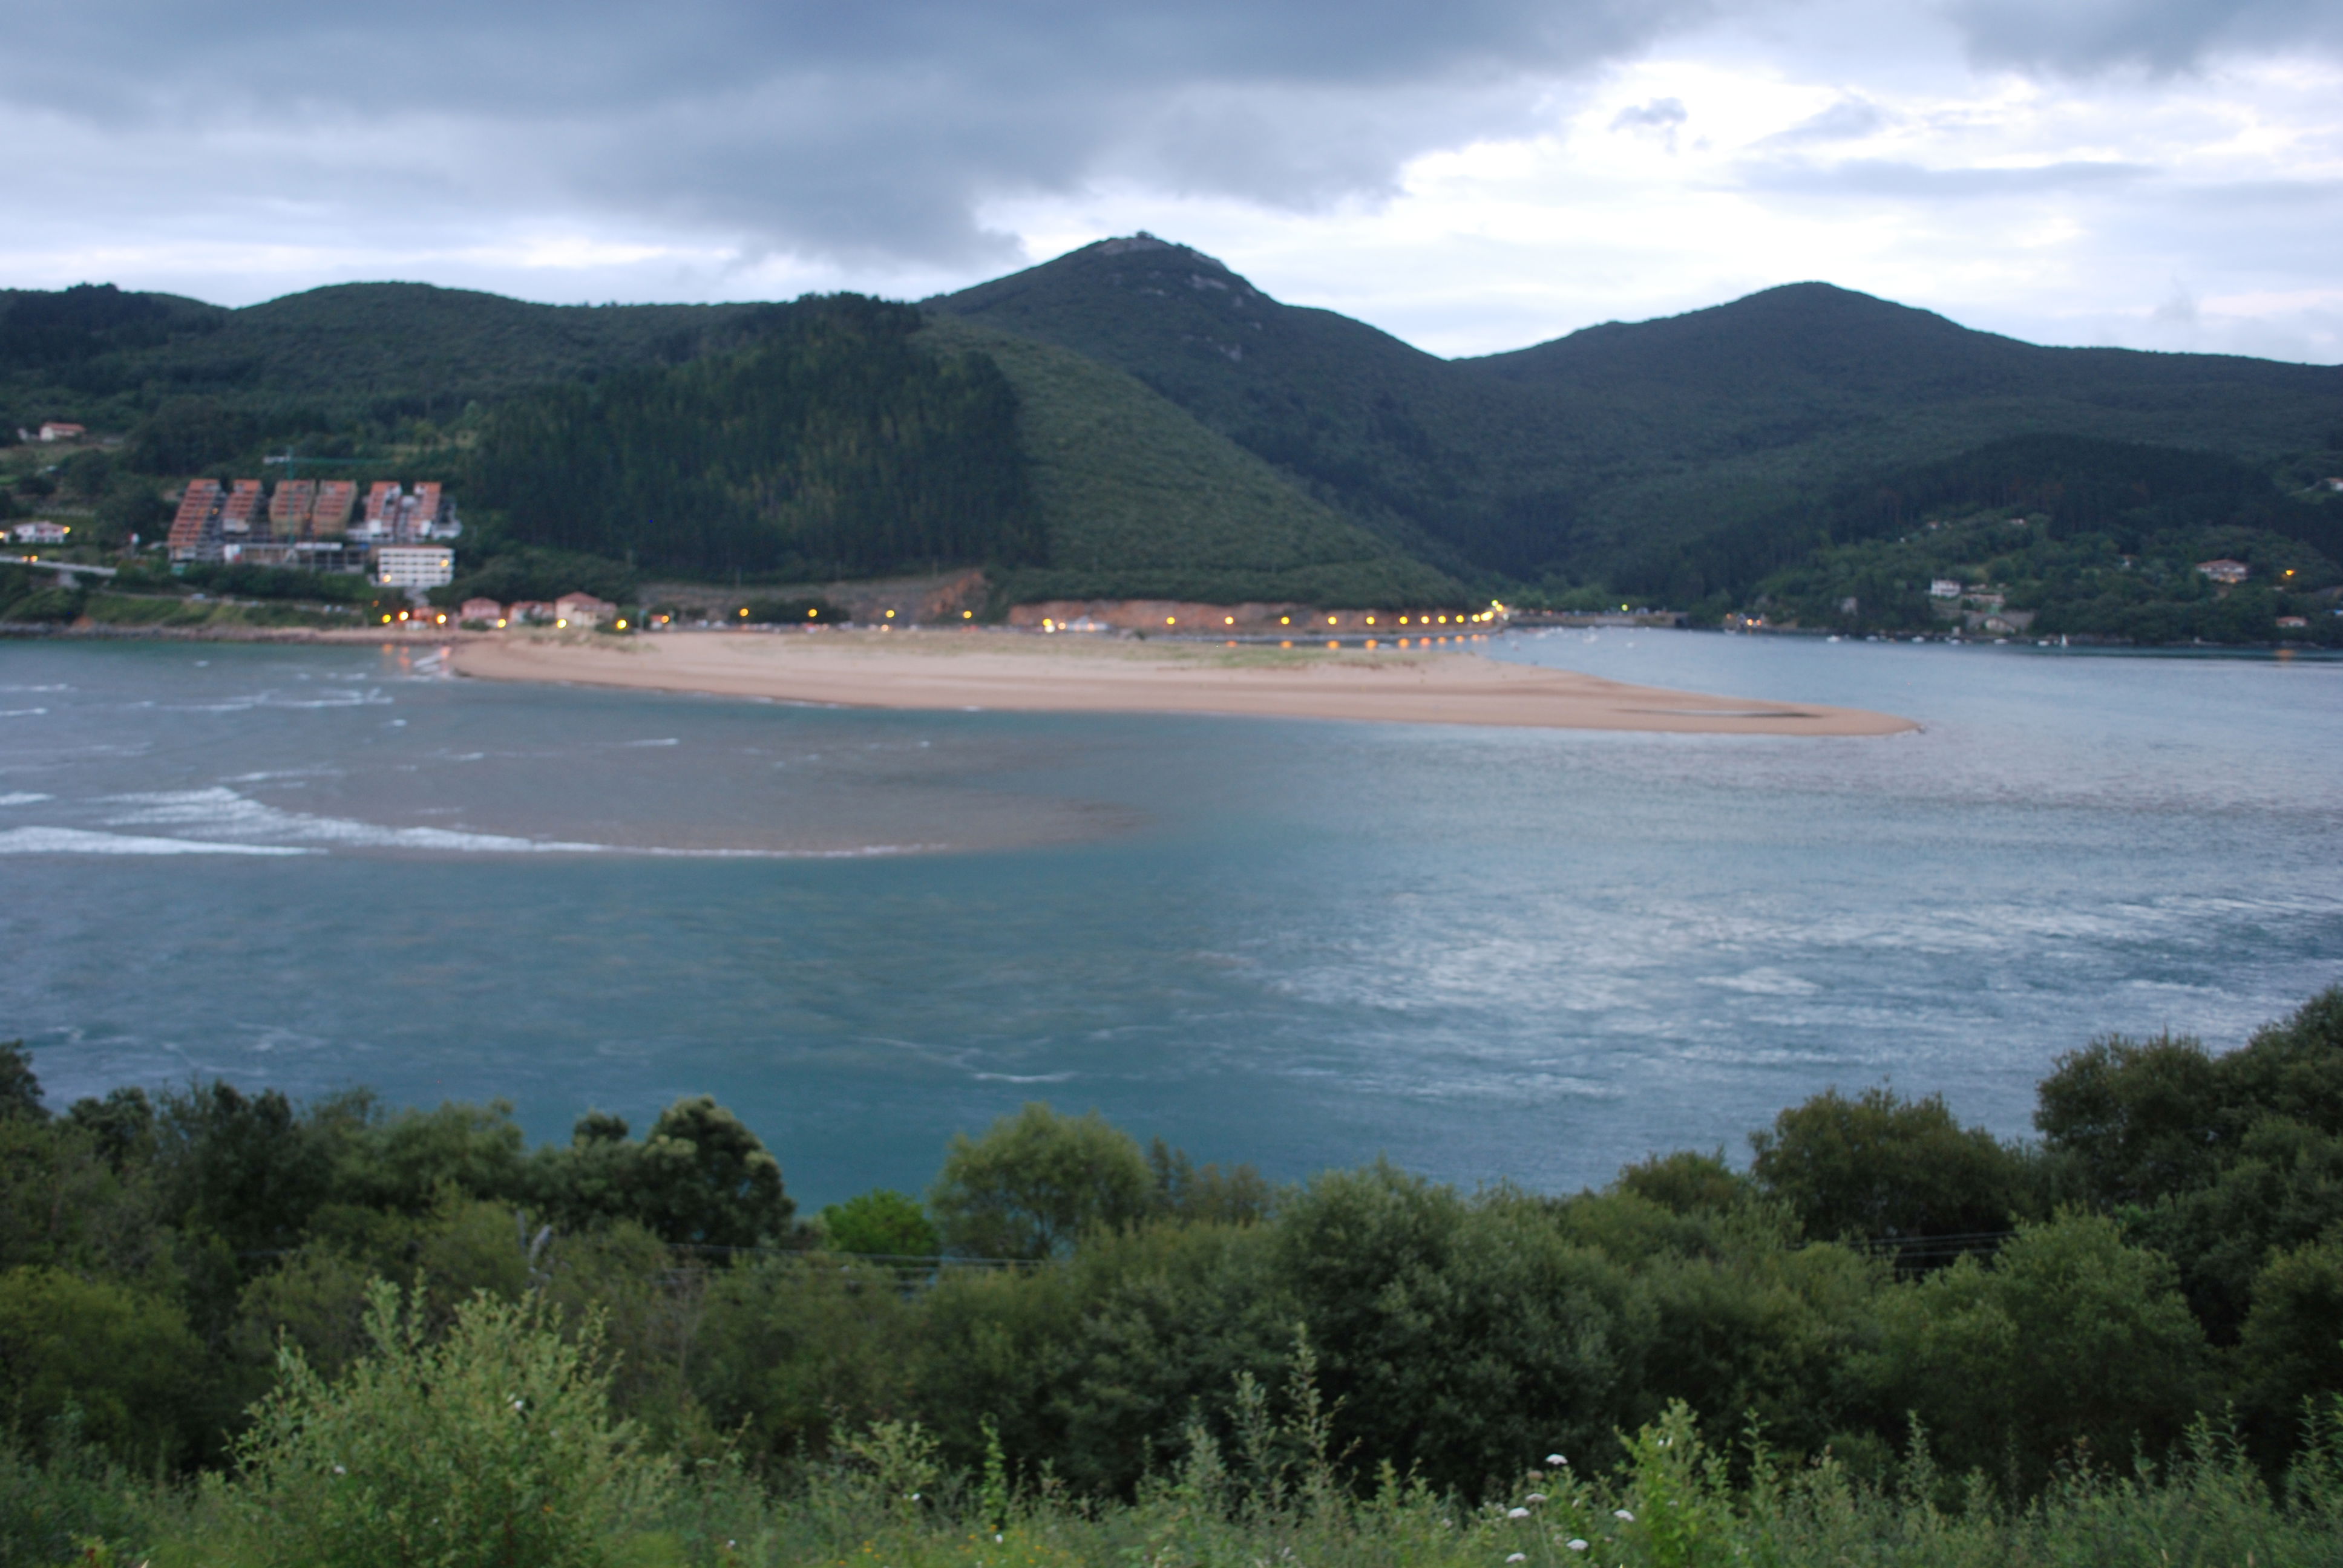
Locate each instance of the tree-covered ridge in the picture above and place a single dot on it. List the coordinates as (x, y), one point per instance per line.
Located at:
(837, 445)
(337, 360)
(1592, 458)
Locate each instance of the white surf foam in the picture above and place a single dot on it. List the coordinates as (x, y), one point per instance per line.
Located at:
(82, 841)
(22, 797)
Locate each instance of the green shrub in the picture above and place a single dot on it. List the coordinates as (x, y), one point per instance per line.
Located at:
(493, 1445)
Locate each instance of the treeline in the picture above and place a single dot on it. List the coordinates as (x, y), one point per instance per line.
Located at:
(2169, 1251)
(836, 447)
(2126, 492)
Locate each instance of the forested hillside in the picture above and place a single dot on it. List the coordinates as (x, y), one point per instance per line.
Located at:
(1188, 435)
(835, 447)
(1598, 455)
(2080, 508)
(1139, 500)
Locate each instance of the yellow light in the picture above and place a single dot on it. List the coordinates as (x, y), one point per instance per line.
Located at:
(500, 623)
(1171, 621)
(402, 615)
(811, 614)
(1444, 621)
(1286, 620)
(385, 620)
(1332, 643)
(564, 622)
(1371, 620)
(440, 620)
(1232, 620)
(964, 615)
(622, 623)
(890, 615)
(744, 612)
(1287, 644)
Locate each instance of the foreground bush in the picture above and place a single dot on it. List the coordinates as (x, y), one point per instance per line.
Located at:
(491, 1446)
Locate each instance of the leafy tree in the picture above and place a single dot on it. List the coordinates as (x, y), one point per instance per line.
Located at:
(1237, 1195)
(121, 1126)
(702, 1177)
(2069, 1336)
(1035, 1182)
(2292, 1351)
(1464, 1339)
(1881, 1166)
(493, 1446)
(882, 1220)
(2134, 1119)
(246, 1167)
(1687, 1183)
(125, 1359)
(20, 1089)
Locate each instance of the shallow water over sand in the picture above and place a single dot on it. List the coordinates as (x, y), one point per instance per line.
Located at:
(1489, 954)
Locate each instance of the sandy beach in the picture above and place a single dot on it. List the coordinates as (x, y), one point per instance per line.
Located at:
(987, 669)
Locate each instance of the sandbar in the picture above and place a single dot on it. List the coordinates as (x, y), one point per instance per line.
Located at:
(1023, 672)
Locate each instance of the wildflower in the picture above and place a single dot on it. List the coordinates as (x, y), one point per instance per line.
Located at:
(1534, 1497)
(1518, 1557)
(339, 1471)
(1557, 1461)
(1575, 1545)
(1624, 1514)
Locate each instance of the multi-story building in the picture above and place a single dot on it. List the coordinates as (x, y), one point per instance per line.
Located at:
(414, 566)
(195, 527)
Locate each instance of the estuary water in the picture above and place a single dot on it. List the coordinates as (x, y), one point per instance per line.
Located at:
(1488, 954)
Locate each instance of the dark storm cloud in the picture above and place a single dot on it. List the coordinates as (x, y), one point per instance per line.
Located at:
(854, 130)
(2080, 38)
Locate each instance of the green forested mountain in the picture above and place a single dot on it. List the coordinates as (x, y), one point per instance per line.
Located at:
(1617, 453)
(1158, 425)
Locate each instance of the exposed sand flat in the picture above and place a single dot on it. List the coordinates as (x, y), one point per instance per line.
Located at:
(979, 669)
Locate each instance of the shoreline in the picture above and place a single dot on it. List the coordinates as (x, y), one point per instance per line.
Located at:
(984, 670)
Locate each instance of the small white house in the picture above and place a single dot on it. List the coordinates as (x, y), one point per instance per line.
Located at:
(40, 532)
(481, 609)
(414, 566)
(1944, 587)
(2225, 570)
(583, 609)
(58, 430)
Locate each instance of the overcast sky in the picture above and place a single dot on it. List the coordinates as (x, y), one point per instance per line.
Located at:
(1473, 175)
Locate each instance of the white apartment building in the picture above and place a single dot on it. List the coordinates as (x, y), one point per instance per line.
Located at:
(414, 566)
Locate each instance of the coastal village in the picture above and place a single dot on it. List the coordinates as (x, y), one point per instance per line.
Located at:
(401, 538)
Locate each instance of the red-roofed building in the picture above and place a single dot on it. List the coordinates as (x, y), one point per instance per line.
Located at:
(583, 609)
(2225, 571)
(382, 507)
(329, 514)
(289, 508)
(242, 509)
(481, 609)
(58, 430)
(194, 527)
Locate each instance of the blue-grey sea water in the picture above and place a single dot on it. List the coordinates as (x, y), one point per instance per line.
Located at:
(1489, 954)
